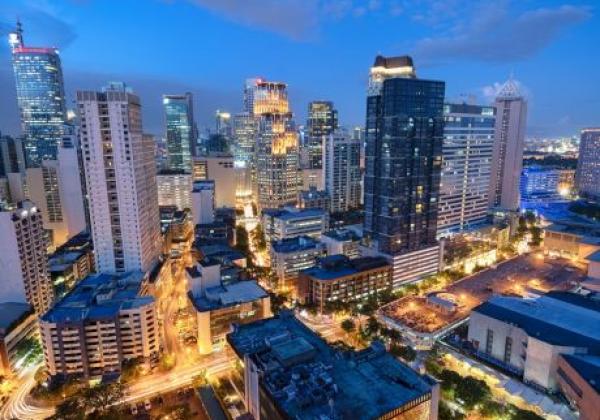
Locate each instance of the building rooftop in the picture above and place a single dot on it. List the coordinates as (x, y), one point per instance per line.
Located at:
(63, 260)
(557, 318)
(288, 213)
(300, 243)
(342, 235)
(308, 379)
(588, 367)
(99, 296)
(336, 266)
(11, 313)
(594, 257)
(207, 184)
(228, 295)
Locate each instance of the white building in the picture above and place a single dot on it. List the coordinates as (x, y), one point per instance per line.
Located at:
(509, 142)
(466, 167)
(526, 336)
(203, 202)
(55, 188)
(341, 166)
(220, 169)
(23, 260)
(121, 180)
(290, 256)
(342, 241)
(174, 189)
(291, 222)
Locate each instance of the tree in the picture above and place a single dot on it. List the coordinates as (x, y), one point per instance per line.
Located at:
(492, 409)
(241, 239)
(446, 413)
(405, 352)
(258, 236)
(69, 409)
(102, 397)
(372, 326)
(536, 235)
(348, 325)
(520, 414)
(472, 391)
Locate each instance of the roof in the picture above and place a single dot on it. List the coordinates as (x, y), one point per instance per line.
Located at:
(229, 295)
(299, 243)
(342, 235)
(286, 214)
(100, 296)
(308, 379)
(510, 90)
(588, 367)
(389, 62)
(11, 313)
(557, 318)
(336, 266)
(64, 260)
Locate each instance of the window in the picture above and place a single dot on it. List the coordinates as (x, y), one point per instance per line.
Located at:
(489, 341)
(507, 350)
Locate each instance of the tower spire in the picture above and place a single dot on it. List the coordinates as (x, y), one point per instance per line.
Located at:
(15, 38)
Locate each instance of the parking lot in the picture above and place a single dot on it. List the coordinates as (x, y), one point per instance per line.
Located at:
(526, 274)
(164, 405)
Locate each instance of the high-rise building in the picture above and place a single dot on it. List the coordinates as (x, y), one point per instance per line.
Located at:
(220, 168)
(587, 177)
(509, 141)
(174, 189)
(182, 134)
(244, 138)
(467, 163)
(203, 202)
(121, 180)
(341, 165)
(404, 129)
(223, 124)
(250, 87)
(277, 156)
(322, 121)
(12, 158)
(23, 259)
(40, 96)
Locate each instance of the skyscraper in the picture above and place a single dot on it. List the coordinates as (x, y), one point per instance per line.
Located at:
(277, 146)
(250, 87)
(181, 131)
(322, 121)
(404, 130)
(121, 180)
(587, 177)
(40, 96)
(342, 171)
(509, 141)
(244, 136)
(23, 259)
(467, 163)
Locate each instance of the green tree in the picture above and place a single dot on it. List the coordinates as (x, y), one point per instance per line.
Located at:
(446, 413)
(472, 391)
(493, 409)
(372, 326)
(258, 236)
(520, 414)
(102, 397)
(405, 352)
(241, 239)
(69, 409)
(348, 325)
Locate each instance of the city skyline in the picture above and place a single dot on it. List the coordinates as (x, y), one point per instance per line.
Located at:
(516, 38)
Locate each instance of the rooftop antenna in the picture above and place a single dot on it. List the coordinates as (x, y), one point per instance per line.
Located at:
(15, 39)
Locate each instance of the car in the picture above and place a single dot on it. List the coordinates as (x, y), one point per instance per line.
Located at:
(147, 405)
(134, 410)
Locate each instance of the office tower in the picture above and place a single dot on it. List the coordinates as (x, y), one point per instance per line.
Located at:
(587, 177)
(223, 124)
(182, 134)
(12, 157)
(342, 171)
(509, 141)
(174, 189)
(23, 260)
(244, 138)
(250, 87)
(277, 146)
(219, 168)
(322, 121)
(121, 180)
(40, 96)
(467, 163)
(55, 188)
(403, 164)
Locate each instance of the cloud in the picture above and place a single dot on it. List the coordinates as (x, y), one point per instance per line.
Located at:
(494, 34)
(490, 92)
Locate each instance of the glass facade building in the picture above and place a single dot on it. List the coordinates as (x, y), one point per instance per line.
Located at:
(588, 165)
(405, 127)
(322, 121)
(40, 96)
(181, 131)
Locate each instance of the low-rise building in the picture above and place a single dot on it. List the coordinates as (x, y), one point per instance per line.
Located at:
(290, 256)
(103, 321)
(70, 263)
(579, 381)
(18, 327)
(342, 241)
(338, 278)
(526, 336)
(292, 373)
(570, 240)
(290, 222)
(541, 185)
(221, 300)
(180, 234)
(313, 199)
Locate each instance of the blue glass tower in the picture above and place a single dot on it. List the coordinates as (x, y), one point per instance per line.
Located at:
(181, 131)
(40, 96)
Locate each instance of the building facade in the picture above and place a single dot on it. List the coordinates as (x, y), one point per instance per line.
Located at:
(321, 123)
(23, 259)
(588, 164)
(121, 180)
(40, 96)
(289, 223)
(220, 168)
(18, 327)
(341, 167)
(182, 135)
(174, 189)
(509, 142)
(404, 136)
(467, 163)
(543, 185)
(203, 202)
(289, 257)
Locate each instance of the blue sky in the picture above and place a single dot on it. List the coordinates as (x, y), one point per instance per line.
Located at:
(321, 48)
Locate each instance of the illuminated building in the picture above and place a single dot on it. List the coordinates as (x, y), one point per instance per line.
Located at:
(18, 324)
(220, 168)
(174, 189)
(181, 131)
(313, 199)
(322, 121)
(588, 164)
(404, 134)
(203, 202)
(342, 241)
(467, 162)
(277, 155)
(341, 166)
(105, 320)
(542, 185)
(40, 96)
(244, 138)
(23, 257)
(281, 356)
(291, 222)
(509, 140)
(290, 256)
(121, 179)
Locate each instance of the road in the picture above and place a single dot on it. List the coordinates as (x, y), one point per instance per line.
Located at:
(17, 406)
